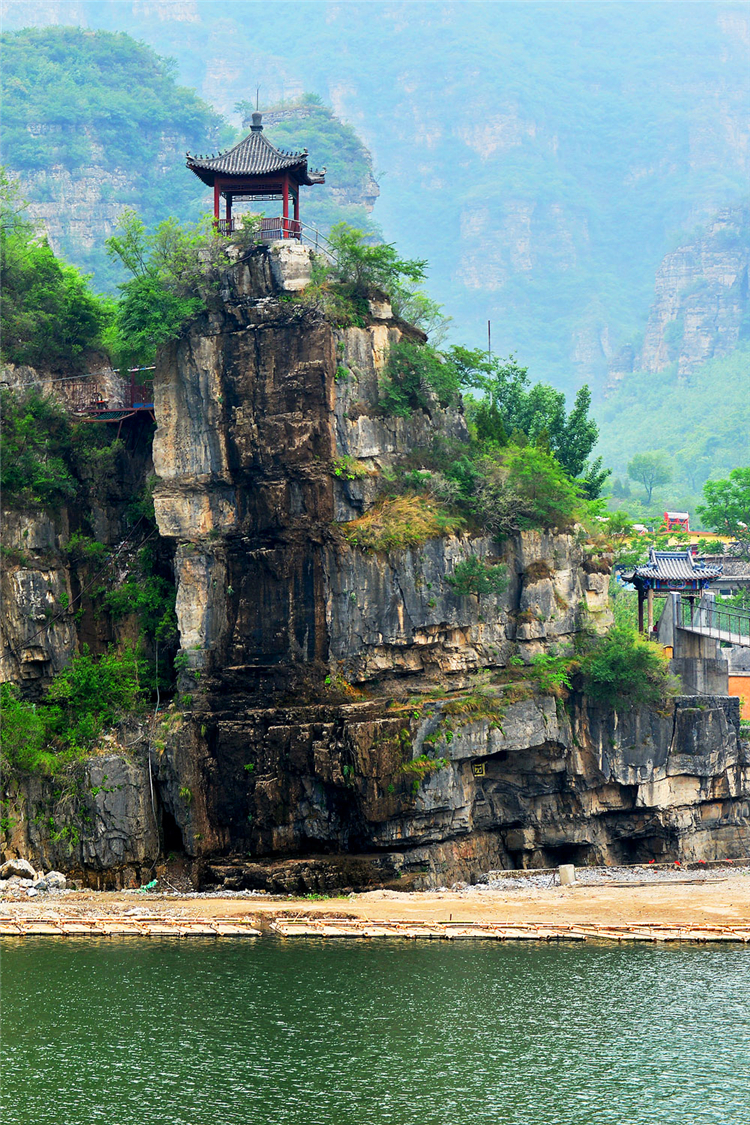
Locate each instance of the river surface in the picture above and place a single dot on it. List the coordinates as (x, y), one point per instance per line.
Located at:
(309, 1032)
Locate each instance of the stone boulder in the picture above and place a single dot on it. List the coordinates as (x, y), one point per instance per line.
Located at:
(19, 867)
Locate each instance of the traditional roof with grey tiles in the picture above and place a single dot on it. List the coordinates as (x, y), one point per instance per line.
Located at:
(254, 156)
(672, 566)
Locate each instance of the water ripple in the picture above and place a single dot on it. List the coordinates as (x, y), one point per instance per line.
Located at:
(306, 1032)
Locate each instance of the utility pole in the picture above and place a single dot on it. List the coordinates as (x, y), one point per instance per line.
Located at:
(489, 339)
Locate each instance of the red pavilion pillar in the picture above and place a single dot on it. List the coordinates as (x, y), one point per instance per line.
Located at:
(217, 201)
(285, 196)
(296, 213)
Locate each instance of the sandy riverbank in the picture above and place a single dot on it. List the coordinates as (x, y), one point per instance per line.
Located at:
(718, 898)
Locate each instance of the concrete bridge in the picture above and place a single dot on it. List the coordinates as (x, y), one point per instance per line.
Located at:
(692, 635)
(709, 620)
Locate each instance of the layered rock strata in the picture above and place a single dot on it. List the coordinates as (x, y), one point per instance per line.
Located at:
(345, 717)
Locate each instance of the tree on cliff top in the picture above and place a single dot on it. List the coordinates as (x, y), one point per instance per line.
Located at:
(171, 271)
(362, 265)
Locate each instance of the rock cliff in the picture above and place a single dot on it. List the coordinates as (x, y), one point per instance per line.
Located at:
(701, 306)
(345, 717)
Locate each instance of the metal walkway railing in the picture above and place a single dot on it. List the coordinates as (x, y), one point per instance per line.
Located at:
(710, 620)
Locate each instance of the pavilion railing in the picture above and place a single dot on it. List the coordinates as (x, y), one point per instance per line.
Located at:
(270, 228)
(714, 620)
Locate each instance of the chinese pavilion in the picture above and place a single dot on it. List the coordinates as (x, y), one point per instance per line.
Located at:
(256, 169)
(667, 572)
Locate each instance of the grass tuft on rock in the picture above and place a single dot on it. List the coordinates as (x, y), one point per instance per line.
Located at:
(401, 521)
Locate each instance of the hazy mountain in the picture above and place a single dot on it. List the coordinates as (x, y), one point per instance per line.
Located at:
(543, 157)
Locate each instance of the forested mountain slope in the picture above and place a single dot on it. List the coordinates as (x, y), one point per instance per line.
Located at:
(96, 122)
(544, 158)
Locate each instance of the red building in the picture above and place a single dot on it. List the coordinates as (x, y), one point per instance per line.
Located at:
(677, 521)
(255, 169)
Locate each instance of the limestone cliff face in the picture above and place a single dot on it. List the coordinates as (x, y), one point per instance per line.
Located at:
(701, 303)
(50, 606)
(79, 207)
(251, 418)
(344, 716)
(314, 666)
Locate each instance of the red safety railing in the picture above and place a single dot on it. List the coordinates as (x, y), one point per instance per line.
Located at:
(270, 228)
(86, 397)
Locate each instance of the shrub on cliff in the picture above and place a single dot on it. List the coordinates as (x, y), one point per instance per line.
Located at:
(413, 372)
(362, 265)
(46, 458)
(476, 576)
(360, 268)
(523, 487)
(87, 698)
(624, 668)
(401, 521)
(36, 450)
(22, 732)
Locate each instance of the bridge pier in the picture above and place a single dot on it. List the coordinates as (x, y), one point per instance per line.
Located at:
(696, 658)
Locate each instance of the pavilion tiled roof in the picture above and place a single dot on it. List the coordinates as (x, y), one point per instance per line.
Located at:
(254, 156)
(672, 566)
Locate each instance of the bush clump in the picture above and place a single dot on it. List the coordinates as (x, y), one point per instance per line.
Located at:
(89, 697)
(624, 667)
(401, 521)
(525, 487)
(475, 576)
(36, 450)
(415, 372)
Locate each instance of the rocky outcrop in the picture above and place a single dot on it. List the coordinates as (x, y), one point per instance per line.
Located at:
(254, 407)
(345, 717)
(312, 663)
(701, 303)
(97, 823)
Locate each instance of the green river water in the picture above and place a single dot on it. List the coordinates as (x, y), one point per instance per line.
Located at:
(314, 1032)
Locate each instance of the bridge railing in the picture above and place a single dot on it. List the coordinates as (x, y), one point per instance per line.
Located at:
(713, 620)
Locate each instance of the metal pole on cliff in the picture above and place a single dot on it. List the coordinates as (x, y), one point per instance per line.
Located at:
(489, 339)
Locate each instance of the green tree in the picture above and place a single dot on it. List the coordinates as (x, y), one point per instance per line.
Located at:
(512, 405)
(363, 265)
(172, 271)
(413, 369)
(727, 507)
(524, 487)
(475, 576)
(36, 450)
(92, 694)
(22, 734)
(49, 315)
(651, 470)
